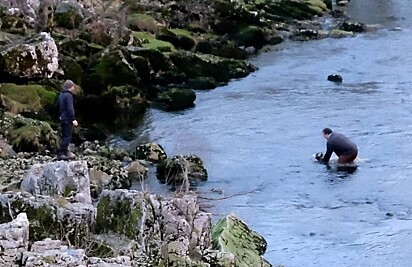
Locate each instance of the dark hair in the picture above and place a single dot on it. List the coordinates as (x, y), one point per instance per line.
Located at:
(327, 131)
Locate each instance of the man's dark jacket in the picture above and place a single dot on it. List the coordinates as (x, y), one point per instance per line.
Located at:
(339, 144)
(66, 106)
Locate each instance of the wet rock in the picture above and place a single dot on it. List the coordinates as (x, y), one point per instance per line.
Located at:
(335, 33)
(61, 178)
(231, 234)
(180, 169)
(37, 57)
(177, 99)
(350, 26)
(150, 152)
(221, 69)
(14, 240)
(335, 78)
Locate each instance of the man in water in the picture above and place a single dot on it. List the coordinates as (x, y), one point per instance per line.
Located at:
(345, 149)
(67, 120)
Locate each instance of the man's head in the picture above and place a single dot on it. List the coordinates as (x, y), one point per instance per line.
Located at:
(326, 132)
(69, 85)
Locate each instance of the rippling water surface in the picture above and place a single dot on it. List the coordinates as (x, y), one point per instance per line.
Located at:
(261, 132)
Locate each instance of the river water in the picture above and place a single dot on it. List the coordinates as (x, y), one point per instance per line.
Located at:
(259, 134)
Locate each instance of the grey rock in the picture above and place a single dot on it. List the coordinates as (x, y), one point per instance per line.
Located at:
(59, 178)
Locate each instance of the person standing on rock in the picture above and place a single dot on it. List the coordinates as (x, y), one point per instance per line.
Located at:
(345, 149)
(67, 120)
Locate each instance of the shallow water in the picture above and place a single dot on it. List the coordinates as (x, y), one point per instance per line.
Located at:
(260, 133)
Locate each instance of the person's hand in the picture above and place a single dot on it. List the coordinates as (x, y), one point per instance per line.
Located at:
(319, 156)
(75, 123)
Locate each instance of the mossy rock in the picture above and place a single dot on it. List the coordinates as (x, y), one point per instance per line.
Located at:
(67, 15)
(142, 66)
(157, 60)
(72, 70)
(141, 22)
(127, 99)
(186, 40)
(221, 69)
(150, 152)
(231, 234)
(26, 98)
(177, 99)
(249, 36)
(216, 48)
(176, 170)
(119, 212)
(113, 68)
(202, 83)
(301, 10)
(149, 41)
(54, 218)
(28, 135)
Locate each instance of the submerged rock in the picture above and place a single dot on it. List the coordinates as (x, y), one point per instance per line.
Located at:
(335, 78)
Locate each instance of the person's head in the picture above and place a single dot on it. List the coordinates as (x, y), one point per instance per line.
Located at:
(69, 86)
(326, 132)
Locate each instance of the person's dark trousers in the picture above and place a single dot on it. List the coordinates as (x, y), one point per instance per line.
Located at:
(66, 137)
(348, 158)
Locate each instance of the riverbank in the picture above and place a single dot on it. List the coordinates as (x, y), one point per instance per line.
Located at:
(204, 63)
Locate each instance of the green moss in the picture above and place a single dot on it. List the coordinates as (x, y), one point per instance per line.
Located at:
(318, 6)
(67, 16)
(69, 190)
(150, 42)
(182, 32)
(232, 235)
(141, 22)
(121, 216)
(32, 97)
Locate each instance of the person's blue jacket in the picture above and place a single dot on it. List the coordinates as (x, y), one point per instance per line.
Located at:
(66, 106)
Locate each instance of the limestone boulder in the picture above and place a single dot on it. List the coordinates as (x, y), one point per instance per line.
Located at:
(49, 217)
(168, 230)
(52, 253)
(37, 57)
(60, 179)
(14, 240)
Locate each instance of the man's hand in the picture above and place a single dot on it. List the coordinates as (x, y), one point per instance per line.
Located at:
(319, 156)
(75, 123)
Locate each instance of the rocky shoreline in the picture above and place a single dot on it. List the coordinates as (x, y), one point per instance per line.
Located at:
(126, 57)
